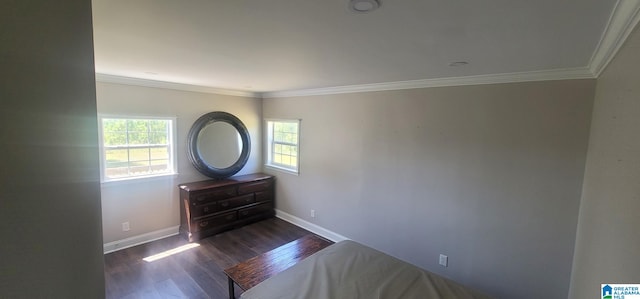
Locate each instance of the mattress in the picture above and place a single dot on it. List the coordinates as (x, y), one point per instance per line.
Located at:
(351, 270)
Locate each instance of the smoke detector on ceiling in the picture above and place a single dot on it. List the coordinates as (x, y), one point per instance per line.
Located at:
(363, 6)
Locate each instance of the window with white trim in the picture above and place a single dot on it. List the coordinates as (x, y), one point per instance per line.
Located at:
(283, 144)
(136, 147)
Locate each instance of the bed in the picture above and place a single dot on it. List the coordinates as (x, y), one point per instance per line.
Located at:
(351, 270)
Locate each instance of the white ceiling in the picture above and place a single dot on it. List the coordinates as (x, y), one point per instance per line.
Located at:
(282, 45)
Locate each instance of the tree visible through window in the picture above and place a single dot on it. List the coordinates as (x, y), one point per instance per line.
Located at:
(136, 147)
(283, 137)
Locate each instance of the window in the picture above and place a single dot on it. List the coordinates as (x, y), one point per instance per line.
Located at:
(136, 147)
(283, 144)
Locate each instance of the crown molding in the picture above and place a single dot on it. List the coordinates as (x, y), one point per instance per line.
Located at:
(546, 75)
(623, 19)
(171, 85)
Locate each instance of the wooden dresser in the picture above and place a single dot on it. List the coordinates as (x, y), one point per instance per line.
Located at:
(210, 207)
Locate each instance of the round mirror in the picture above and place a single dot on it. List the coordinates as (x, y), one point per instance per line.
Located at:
(216, 153)
(218, 145)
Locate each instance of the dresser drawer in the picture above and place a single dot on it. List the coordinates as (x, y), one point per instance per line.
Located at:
(215, 221)
(255, 186)
(217, 194)
(255, 210)
(221, 205)
(238, 201)
(200, 210)
(264, 196)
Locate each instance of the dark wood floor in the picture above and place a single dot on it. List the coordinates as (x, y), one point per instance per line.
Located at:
(197, 272)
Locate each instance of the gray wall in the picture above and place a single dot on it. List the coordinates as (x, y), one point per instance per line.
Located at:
(51, 241)
(152, 204)
(490, 175)
(608, 239)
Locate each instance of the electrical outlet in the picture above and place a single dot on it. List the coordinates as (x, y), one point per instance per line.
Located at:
(444, 260)
(125, 226)
(313, 213)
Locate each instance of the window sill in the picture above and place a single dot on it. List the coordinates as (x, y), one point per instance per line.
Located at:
(282, 169)
(139, 179)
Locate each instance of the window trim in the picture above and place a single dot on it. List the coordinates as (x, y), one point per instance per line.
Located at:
(173, 161)
(269, 145)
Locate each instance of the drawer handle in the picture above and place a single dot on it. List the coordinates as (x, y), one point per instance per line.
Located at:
(225, 204)
(206, 209)
(204, 223)
(245, 213)
(230, 217)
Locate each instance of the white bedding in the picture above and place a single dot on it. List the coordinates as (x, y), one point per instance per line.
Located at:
(351, 270)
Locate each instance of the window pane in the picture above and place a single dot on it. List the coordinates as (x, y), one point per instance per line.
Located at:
(117, 164)
(278, 137)
(139, 154)
(286, 149)
(291, 150)
(288, 127)
(286, 160)
(116, 155)
(158, 125)
(139, 168)
(137, 125)
(159, 166)
(116, 172)
(159, 162)
(114, 138)
(159, 153)
(158, 138)
(114, 125)
(138, 138)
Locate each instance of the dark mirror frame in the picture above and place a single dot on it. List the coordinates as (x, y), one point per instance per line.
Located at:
(195, 156)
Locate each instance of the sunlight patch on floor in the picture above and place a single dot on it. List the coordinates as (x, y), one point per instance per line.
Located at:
(170, 252)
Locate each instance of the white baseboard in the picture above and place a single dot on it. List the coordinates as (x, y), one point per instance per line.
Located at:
(140, 239)
(314, 228)
(172, 231)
